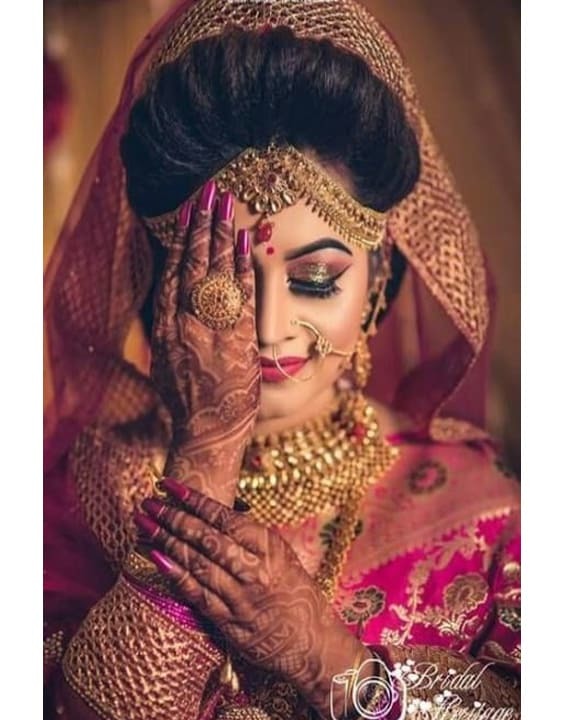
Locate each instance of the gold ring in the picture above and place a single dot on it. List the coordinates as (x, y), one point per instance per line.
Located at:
(217, 300)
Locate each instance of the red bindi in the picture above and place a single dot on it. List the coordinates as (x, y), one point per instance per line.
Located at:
(270, 250)
(264, 233)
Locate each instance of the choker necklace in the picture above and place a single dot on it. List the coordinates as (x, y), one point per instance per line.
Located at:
(328, 462)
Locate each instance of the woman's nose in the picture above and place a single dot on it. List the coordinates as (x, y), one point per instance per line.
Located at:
(273, 312)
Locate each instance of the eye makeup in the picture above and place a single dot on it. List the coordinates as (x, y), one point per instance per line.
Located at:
(316, 278)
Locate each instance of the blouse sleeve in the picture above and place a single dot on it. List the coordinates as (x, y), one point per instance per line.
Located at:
(125, 651)
(140, 655)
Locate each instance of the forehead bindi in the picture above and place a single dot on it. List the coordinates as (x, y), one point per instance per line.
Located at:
(279, 235)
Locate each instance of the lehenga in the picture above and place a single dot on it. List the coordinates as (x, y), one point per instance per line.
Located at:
(430, 578)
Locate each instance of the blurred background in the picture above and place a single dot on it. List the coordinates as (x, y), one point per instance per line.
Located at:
(465, 56)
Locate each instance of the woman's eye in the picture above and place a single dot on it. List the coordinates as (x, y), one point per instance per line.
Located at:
(314, 289)
(316, 283)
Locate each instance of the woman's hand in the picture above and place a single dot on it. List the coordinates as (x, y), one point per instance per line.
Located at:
(209, 379)
(249, 582)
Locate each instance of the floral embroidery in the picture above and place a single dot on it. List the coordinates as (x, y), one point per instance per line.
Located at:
(510, 617)
(465, 593)
(428, 477)
(365, 603)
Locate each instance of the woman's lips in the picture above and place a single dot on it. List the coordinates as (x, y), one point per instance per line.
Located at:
(290, 365)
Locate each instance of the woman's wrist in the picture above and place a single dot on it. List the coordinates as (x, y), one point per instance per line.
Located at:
(202, 473)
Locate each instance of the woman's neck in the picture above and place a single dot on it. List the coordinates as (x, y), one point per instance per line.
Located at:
(272, 426)
(390, 422)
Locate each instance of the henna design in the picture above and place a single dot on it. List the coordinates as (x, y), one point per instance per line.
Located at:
(209, 380)
(263, 602)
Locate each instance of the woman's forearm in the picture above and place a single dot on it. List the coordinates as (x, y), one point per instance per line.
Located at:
(212, 471)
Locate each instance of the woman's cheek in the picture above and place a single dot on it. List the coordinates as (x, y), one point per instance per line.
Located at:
(340, 320)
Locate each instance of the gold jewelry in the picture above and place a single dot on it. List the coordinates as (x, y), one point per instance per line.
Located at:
(361, 361)
(276, 177)
(323, 346)
(217, 300)
(328, 462)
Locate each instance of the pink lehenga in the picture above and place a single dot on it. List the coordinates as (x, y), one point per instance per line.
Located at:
(431, 580)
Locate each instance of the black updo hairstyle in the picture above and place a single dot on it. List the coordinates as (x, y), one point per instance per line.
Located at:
(246, 89)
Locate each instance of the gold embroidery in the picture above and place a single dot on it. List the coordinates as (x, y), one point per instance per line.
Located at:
(118, 664)
(465, 593)
(53, 648)
(510, 617)
(364, 605)
(465, 542)
(511, 571)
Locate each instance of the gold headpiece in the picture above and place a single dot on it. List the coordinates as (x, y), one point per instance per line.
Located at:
(444, 252)
(277, 177)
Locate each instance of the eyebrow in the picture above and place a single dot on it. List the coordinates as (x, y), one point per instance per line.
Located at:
(320, 244)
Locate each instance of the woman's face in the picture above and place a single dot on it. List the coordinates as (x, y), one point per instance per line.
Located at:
(305, 272)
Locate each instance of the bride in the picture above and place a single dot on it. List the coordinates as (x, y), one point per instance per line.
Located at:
(292, 511)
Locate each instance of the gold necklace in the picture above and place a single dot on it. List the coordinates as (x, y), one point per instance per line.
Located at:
(329, 462)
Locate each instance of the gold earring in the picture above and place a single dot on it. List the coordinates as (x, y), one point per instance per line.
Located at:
(361, 361)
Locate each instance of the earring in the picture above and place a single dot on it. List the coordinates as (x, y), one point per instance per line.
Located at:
(361, 361)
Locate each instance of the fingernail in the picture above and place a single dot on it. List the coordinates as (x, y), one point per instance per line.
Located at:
(184, 215)
(225, 211)
(243, 242)
(208, 196)
(161, 561)
(147, 526)
(175, 488)
(156, 508)
(240, 505)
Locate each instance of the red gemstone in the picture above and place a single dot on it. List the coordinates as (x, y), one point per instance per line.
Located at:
(359, 431)
(264, 232)
(256, 462)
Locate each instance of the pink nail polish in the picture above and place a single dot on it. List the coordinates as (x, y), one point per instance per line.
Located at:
(225, 212)
(175, 488)
(184, 215)
(243, 242)
(147, 526)
(161, 561)
(208, 196)
(153, 507)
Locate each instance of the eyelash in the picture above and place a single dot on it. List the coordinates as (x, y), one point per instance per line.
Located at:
(314, 290)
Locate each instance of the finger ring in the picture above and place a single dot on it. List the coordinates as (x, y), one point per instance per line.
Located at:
(217, 300)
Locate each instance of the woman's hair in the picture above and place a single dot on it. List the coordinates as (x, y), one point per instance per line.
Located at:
(247, 89)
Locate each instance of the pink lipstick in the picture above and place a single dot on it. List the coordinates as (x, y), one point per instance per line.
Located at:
(290, 365)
